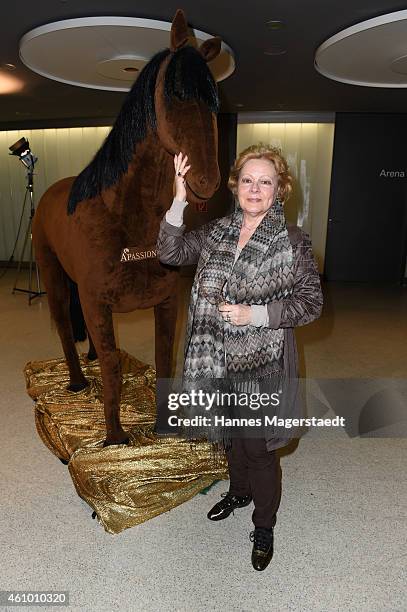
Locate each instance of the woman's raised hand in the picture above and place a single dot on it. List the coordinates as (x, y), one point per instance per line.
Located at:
(181, 168)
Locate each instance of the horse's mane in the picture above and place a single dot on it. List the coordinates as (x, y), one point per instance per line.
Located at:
(187, 77)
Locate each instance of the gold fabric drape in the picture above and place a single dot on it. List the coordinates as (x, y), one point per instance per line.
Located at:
(125, 484)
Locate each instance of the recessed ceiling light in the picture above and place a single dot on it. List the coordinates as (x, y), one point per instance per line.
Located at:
(9, 84)
(239, 104)
(130, 69)
(275, 50)
(276, 24)
(9, 66)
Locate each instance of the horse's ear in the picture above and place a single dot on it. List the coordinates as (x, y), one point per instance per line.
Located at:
(179, 30)
(210, 48)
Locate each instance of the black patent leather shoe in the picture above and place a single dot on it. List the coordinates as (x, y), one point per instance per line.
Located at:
(262, 552)
(227, 505)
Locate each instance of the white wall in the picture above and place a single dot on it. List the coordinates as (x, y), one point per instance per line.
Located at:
(61, 152)
(308, 148)
(66, 151)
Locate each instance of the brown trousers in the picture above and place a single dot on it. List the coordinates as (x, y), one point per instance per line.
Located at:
(254, 470)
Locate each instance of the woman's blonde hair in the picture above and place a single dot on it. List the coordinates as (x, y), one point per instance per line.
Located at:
(263, 151)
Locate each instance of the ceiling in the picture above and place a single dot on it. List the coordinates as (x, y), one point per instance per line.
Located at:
(261, 82)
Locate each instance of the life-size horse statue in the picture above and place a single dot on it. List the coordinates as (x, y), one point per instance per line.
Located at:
(82, 224)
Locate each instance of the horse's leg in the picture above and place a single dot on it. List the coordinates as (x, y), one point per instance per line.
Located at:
(165, 320)
(56, 284)
(92, 355)
(165, 315)
(99, 322)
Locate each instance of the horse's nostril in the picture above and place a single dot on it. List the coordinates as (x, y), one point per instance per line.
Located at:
(203, 181)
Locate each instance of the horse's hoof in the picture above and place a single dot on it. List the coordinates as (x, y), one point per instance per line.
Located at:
(64, 461)
(114, 443)
(77, 387)
(94, 515)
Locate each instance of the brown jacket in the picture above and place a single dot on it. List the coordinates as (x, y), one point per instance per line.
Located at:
(177, 247)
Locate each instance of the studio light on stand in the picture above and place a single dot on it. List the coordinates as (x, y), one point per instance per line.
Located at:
(22, 150)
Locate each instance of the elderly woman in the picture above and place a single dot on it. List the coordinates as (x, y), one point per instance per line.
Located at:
(256, 280)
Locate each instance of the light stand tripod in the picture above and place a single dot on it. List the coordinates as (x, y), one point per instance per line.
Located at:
(33, 268)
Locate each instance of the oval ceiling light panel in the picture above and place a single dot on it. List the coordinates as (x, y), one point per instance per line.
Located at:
(105, 52)
(370, 53)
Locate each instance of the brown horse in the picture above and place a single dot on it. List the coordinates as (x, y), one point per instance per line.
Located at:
(83, 224)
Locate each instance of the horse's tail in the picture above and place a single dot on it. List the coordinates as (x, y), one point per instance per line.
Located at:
(76, 313)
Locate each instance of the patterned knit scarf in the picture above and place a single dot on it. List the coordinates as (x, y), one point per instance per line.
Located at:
(262, 273)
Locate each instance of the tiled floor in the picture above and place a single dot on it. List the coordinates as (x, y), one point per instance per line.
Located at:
(341, 531)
